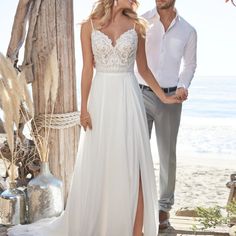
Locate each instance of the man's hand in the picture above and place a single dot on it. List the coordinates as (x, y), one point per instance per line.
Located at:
(182, 93)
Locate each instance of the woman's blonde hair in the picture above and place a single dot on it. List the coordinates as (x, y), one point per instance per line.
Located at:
(102, 11)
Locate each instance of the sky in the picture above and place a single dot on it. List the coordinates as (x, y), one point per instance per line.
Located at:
(214, 20)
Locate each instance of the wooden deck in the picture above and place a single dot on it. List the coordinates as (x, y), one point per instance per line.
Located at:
(181, 226)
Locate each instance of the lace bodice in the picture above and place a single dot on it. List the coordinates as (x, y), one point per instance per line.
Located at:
(114, 58)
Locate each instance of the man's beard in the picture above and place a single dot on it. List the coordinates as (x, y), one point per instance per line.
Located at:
(166, 5)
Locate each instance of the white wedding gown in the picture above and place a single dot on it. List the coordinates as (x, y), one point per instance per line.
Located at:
(104, 193)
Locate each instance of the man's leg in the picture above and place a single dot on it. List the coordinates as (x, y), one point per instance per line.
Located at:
(167, 125)
(156, 111)
(149, 99)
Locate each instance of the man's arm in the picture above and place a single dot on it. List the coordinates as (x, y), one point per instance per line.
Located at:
(189, 60)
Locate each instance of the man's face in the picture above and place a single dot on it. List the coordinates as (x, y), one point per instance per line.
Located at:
(165, 4)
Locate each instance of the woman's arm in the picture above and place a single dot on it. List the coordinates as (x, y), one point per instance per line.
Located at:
(87, 72)
(147, 75)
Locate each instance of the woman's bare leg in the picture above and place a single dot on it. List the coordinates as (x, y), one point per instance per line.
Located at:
(138, 224)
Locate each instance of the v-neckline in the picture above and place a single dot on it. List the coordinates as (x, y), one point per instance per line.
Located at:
(114, 43)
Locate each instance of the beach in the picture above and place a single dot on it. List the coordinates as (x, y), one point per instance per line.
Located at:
(202, 184)
(201, 179)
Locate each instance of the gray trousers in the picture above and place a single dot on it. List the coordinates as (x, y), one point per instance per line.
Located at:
(167, 120)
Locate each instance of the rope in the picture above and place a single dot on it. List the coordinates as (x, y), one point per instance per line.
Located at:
(57, 121)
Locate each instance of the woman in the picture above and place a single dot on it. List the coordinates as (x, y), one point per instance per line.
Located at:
(113, 190)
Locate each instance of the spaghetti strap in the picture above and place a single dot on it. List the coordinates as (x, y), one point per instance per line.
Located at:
(91, 21)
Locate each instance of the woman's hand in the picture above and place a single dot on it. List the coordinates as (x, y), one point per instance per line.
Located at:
(85, 120)
(173, 99)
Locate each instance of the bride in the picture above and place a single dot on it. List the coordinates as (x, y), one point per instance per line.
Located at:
(113, 192)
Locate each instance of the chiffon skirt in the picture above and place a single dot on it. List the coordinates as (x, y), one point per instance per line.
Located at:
(112, 159)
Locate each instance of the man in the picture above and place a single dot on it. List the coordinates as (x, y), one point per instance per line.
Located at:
(170, 40)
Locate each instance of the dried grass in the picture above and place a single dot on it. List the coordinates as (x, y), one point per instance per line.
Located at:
(51, 78)
(10, 106)
(51, 88)
(4, 162)
(55, 75)
(15, 95)
(6, 68)
(27, 100)
(11, 95)
(9, 75)
(8, 113)
(11, 85)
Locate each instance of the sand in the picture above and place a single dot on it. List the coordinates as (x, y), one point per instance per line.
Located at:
(201, 182)
(201, 178)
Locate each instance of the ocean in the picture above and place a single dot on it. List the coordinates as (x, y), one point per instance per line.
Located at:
(208, 124)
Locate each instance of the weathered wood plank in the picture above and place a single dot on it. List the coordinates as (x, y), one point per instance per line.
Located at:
(184, 226)
(1, 126)
(55, 27)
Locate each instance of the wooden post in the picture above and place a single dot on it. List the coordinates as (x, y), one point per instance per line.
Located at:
(1, 127)
(55, 26)
(51, 23)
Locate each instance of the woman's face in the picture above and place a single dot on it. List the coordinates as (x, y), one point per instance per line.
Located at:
(127, 4)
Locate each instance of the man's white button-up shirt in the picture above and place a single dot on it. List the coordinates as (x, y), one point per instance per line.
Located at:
(165, 50)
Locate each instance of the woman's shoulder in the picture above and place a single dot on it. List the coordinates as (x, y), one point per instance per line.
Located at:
(86, 25)
(93, 23)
